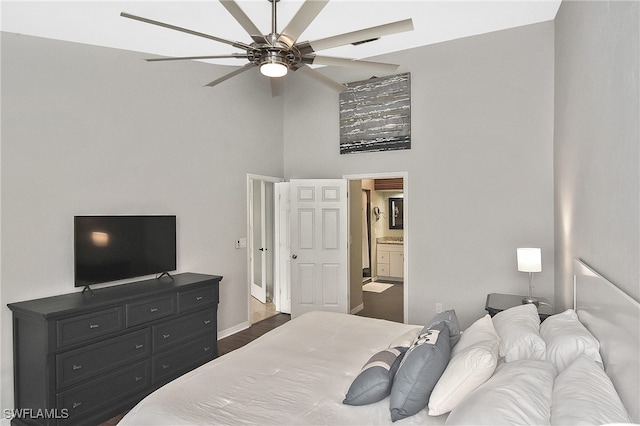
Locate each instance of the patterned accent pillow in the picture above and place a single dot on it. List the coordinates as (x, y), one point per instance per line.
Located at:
(451, 320)
(419, 371)
(376, 377)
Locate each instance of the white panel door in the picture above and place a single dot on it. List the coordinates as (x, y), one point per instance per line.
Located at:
(319, 251)
(282, 298)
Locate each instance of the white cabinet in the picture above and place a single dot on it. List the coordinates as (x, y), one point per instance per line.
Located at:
(396, 263)
(390, 261)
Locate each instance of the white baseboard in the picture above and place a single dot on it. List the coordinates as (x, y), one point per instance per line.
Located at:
(233, 330)
(357, 309)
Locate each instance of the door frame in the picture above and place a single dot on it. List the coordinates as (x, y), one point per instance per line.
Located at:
(405, 218)
(272, 179)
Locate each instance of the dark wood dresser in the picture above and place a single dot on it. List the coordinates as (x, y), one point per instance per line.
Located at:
(82, 358)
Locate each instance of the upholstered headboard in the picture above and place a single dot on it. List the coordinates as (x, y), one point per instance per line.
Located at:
(613, 317)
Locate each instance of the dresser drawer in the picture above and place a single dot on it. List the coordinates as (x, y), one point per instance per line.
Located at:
(79, 364)
(85, 327)
(195, 298)
(183, 328)
(184, 358)
(149, 310)
(101, 392)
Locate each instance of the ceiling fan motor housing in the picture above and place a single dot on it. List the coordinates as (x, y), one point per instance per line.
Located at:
(274, 53)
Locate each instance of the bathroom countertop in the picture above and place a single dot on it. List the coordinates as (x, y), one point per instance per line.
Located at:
(390, 240)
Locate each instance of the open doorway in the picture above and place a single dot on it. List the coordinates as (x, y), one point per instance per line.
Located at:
(261, 202)
(378, 266)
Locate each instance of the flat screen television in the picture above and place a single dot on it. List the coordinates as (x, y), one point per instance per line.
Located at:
(110, 248)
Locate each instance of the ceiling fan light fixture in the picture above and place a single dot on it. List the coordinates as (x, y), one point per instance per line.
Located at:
(271, 69)
(274, 64)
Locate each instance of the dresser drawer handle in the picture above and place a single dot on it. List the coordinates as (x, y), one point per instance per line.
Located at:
(166, 336)
(153, 310)
(198, 298)
(76, 404)
(91, 326)
(76, 367)
(206, 348)
(139, 346)
(138, 378)
(207, 322)
(165, 366)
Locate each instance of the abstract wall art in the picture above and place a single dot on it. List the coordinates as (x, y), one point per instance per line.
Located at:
(375, 115)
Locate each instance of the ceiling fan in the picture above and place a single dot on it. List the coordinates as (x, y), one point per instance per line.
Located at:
(277, 53)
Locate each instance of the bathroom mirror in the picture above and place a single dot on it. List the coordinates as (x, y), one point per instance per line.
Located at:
(396, 213)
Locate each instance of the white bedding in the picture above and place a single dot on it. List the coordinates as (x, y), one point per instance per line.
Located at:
(298, 373)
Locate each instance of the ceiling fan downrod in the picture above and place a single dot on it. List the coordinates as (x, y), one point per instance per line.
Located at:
(274, 17)
(274, 63)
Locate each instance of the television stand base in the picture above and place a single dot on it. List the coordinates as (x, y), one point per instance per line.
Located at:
(163, 274)
(86, 287)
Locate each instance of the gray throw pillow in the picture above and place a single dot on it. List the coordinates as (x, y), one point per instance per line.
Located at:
(374, 381)
(419, 371)
(451, 320)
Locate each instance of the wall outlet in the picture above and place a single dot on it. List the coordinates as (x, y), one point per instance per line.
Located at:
(438, 307)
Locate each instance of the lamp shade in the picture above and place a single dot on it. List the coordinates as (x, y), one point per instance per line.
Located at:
(529, 259)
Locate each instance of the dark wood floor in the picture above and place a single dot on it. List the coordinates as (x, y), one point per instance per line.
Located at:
(243, 337)
(386, 305)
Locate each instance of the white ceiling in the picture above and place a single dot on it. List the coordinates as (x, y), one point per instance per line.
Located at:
(98, 22)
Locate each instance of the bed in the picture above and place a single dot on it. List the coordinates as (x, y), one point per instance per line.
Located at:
(326, 369)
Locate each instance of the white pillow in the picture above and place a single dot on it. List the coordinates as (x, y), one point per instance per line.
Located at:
(518, 393)
(584, 394)
(519, 331)
(465, 372)
(482, 329)
(566, 338)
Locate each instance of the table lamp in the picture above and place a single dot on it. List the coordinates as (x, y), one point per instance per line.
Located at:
(530, 260)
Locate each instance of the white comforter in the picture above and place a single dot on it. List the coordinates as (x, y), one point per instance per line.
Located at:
(298, 374)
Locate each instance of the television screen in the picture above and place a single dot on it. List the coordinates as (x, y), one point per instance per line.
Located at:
(110, 248)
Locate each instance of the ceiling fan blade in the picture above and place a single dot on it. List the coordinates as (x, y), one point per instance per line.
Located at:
(321, 78)
(366, 34)
(234, 9)
(185, 30)
(183, 58)
(276, 86)
(305, 15)
(352, 63)
(231, 74)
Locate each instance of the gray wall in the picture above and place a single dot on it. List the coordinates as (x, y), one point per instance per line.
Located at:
(597, 143)
(88, 130)
(480, 170)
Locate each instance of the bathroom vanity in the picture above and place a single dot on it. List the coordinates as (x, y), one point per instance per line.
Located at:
(390, 258)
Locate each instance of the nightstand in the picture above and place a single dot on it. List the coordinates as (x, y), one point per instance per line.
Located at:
(497, 302)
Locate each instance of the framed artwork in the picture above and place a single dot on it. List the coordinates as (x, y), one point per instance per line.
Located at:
(375, 115)
(396, 213)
